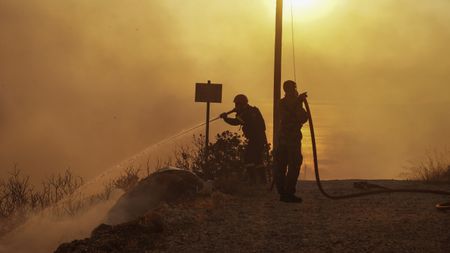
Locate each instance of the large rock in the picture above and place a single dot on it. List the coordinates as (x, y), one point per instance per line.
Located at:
(166, 185)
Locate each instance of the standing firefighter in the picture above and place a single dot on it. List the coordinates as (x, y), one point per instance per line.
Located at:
(254, 128)
(288, 156)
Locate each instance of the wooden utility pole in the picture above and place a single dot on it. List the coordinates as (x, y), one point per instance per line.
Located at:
(277, 72)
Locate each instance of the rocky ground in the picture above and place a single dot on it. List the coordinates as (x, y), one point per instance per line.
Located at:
(257, 222)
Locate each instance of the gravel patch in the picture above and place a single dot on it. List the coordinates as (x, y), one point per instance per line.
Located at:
(258, 222)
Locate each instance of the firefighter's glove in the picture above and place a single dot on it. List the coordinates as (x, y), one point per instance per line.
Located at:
(224, 115)
(302, 96)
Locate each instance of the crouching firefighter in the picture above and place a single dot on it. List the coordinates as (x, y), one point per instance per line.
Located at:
(254, 128)
(288, 157)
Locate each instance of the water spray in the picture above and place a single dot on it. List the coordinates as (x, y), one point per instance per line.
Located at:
(191, 129)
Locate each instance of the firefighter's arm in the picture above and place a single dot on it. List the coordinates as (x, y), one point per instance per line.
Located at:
(302, 96)
(233, 121)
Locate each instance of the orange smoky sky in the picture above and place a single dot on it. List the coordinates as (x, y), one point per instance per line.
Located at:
(85, 84)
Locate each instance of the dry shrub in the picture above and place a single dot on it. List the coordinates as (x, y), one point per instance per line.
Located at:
(224, 164)
(19, 199)
(19, 196)
(127, 180)
(434, 167)
(57, 187)
(15, 194)
(225, 156)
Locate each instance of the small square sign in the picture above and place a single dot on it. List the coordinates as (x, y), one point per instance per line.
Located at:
(208, 92)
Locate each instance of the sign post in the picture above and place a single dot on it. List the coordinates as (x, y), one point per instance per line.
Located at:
(208, 93)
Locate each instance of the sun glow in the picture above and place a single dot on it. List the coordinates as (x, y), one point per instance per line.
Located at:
(308, 10)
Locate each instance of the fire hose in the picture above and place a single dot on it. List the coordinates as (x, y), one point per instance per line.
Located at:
(440, 206)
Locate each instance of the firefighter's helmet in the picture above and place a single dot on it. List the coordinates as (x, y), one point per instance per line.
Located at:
(241, 99)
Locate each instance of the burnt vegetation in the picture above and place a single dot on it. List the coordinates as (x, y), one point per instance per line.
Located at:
(128, 180)
(18, 195)
(434, 167)
(19, 198)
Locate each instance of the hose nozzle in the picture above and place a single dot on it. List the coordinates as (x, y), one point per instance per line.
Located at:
(225, 114)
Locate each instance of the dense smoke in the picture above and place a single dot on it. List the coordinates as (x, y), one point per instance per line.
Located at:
(87, 84)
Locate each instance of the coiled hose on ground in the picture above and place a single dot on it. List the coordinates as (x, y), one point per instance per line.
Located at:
(441, 206)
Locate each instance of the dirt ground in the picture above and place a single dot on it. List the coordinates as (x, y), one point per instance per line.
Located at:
(258, 222)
